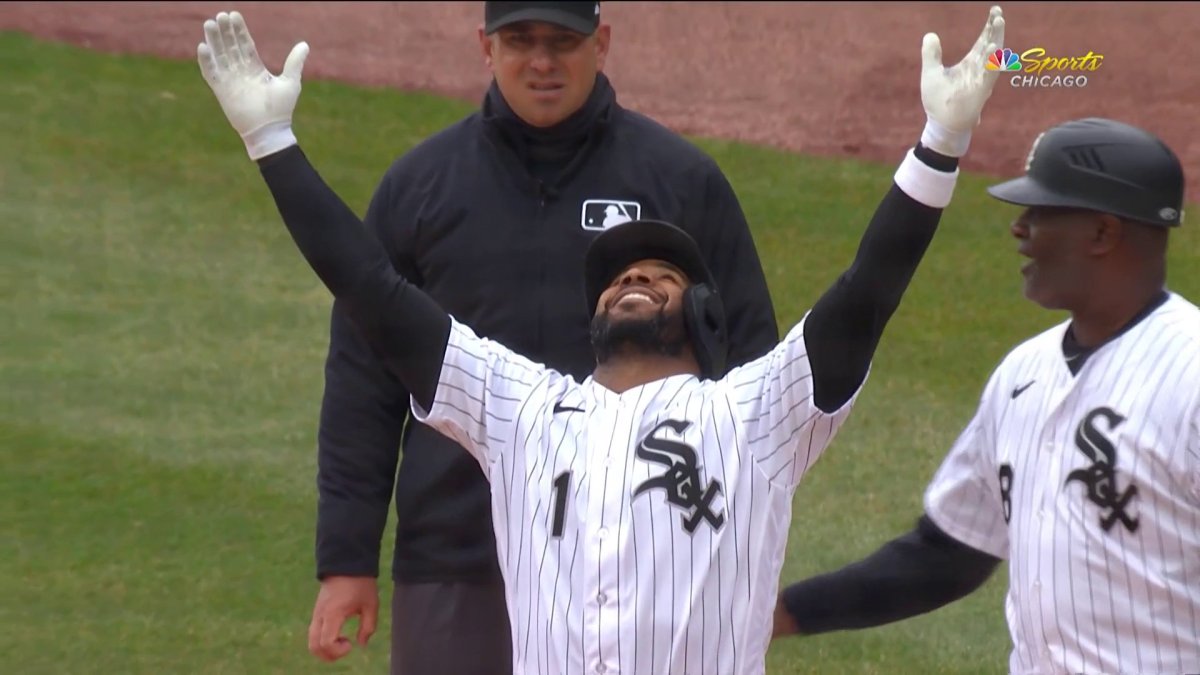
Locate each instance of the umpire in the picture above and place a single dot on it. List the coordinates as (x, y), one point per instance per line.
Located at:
(492, 216)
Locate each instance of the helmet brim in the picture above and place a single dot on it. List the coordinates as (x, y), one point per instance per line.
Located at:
(1025, 191)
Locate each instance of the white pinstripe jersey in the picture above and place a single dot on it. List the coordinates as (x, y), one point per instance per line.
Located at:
(1089, 485)
(642, 532)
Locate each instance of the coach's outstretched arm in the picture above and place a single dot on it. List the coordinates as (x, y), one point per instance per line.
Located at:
(404, 323)
(913, 574)
(845, 325)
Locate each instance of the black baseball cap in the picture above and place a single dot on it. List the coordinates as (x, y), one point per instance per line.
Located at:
(581, 17)
(622, 245)
(1101, 165)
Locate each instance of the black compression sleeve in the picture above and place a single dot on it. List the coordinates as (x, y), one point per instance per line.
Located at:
(847, 322)
(910, 575)
(404, 324)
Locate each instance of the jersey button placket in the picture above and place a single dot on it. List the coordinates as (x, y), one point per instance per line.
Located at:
(595, 623)
(1043, 534)
(607, 512)
(1047, 490)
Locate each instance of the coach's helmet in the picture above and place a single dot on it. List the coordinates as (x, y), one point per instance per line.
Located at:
(1101, 165)
(703, 312)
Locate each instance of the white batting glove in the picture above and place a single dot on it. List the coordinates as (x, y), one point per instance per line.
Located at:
(954, 97)
(258, 104)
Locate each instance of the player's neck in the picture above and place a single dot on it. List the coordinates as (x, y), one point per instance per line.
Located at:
(626, 371)
(1107, 314)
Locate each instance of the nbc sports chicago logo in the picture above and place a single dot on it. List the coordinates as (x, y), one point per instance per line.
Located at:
(1033, 68)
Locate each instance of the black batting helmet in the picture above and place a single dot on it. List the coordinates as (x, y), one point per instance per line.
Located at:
(703, 312)
(1102, 165)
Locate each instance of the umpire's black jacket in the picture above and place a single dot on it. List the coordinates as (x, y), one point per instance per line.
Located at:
(492, 218)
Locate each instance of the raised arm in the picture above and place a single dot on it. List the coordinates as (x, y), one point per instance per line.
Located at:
(400, 321)
(404, 325)
(847, 322)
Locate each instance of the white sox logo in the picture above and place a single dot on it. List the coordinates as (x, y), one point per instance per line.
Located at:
(1100, 478)
(681, 480)
(1033, 151)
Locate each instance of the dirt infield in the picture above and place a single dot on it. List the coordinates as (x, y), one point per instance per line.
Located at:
(821, 78)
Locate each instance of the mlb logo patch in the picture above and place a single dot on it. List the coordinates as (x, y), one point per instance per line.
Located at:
(601, 214)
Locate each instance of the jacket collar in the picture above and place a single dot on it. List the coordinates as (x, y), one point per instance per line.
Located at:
(574, 136)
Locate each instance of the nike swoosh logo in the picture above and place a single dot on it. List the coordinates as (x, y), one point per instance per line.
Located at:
(560, 408)
(1021, 390)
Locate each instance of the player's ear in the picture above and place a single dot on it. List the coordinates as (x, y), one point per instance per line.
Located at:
(1106, 234)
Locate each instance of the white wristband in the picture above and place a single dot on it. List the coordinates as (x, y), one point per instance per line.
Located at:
(269, 139)
(924, 183)
(944, 141)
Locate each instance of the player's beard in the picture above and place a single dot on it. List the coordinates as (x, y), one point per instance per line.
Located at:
(660, 334)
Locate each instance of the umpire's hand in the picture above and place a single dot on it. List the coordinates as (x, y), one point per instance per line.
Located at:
(257, 104)
(339, 599)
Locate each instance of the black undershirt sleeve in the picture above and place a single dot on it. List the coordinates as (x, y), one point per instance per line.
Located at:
(847, 322)
(399, 320)
(910, 575)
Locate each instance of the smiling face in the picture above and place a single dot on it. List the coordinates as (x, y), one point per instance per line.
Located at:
(545, 72)
(642, 310)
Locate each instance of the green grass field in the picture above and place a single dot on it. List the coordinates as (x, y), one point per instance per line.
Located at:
(162, 370)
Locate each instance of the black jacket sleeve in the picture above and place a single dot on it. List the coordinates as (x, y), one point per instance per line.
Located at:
(910, 575)
(403, 324)
(363, 412)
(846, 323)
(725, 241)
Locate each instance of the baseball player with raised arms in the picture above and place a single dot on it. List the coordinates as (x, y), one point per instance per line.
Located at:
(641, 514)
(1081, 465)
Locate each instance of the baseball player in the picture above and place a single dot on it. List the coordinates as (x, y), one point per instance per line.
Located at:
(1081, 466)
(641, 512)
(514, 190)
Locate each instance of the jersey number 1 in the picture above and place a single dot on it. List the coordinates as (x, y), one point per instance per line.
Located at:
(561, 484)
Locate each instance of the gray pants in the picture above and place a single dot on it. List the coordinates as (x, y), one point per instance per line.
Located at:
(450, 627)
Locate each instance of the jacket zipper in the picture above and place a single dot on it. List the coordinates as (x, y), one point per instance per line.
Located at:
(543, 237)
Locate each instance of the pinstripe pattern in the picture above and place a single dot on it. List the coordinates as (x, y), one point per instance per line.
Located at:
(1082, 598)
(625, 587)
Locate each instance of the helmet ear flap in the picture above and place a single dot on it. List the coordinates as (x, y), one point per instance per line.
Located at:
(704, 317)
